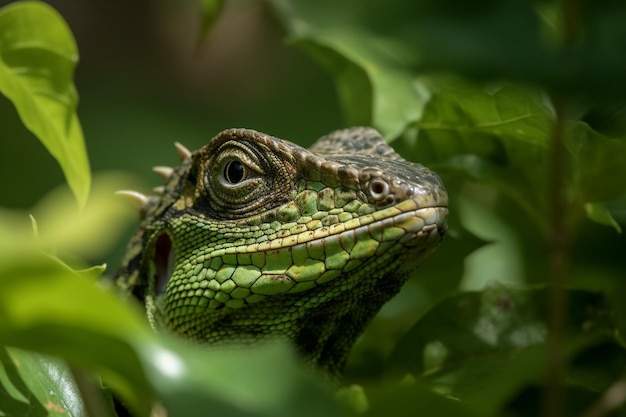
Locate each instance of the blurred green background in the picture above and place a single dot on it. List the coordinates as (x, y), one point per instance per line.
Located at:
(146, 79)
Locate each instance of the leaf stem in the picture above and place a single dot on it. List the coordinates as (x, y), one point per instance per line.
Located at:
(560, 237)
(559, 243)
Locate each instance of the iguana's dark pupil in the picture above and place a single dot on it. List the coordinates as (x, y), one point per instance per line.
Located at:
(234, 172)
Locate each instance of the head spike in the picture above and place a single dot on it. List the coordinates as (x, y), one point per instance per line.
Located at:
(183, 152)
(163, 171)
(159, 190)
(139, 200)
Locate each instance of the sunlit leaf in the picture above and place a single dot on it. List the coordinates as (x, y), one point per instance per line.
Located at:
(37, 59)
(32, 384)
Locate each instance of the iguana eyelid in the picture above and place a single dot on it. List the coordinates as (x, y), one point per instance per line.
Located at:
(242, 152)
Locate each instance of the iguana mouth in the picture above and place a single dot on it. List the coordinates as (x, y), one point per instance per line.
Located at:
(164, 257)
(241, 274)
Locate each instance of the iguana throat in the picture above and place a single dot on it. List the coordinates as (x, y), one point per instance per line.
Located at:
(256, 238)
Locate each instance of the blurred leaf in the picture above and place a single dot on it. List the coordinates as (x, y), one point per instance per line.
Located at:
(354, 398)
(576, 402)
(608, 118)
(437, 275)
(471, 39)
(413, 400)
(31, 384)
(89, 233)
(37, 59)
(483, 347)
(94, 272)
(374, 84)
(262, 381)
(600, 163)
(210, 12)
(58, 226)
(600, 214)
(476, 39)
(46, 308)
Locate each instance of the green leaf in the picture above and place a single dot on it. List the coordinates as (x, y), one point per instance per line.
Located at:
(413, 400)
(600, 167)
(210, 11)
(472, 39)
(32, 384)
(600, 214)
(37, 59)
(47, 308)
(262, 381)
(374, 84)
(475, 39)
(497, 135)
(58, 226)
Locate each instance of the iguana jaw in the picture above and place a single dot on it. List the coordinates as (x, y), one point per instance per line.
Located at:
(237, 277)
(407, 228)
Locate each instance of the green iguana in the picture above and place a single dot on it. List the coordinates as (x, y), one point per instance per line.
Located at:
(253, 237)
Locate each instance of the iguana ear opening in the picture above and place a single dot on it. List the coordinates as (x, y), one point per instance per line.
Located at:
(163, 263)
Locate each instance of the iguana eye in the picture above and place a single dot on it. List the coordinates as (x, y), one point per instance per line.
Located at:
(235, 172)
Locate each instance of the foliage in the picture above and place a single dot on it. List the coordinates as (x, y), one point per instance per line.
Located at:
(36, 70)
(515, 103)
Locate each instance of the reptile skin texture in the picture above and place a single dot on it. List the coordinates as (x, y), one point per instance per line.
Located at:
(254, 239)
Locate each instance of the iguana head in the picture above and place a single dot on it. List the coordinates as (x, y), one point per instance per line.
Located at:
(255, 238)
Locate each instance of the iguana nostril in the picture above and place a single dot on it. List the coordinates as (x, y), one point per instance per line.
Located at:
(378, 188)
